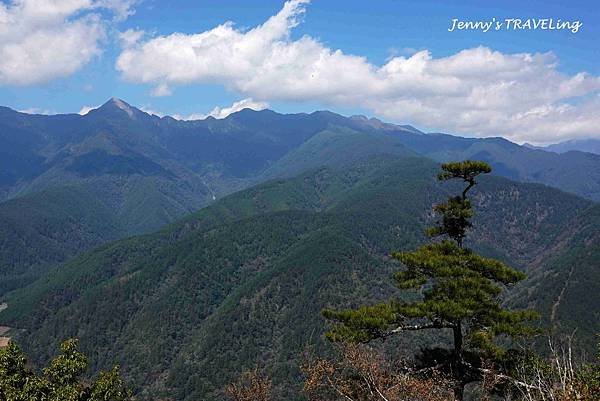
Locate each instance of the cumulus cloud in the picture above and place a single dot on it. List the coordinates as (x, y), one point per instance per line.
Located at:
(45, 39)
(476, 91)
(86, 109)
(249, 103)
(220, 113)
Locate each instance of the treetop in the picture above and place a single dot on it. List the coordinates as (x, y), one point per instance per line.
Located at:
(467, 170)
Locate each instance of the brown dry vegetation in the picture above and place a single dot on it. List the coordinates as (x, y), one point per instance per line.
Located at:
(362, 374)
(252, 385)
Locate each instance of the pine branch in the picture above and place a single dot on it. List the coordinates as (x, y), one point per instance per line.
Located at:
(434, 325)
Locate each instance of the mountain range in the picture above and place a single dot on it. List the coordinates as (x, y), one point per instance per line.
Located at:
(582, 145)
(232, 235)
(141, 171)
(211, 157)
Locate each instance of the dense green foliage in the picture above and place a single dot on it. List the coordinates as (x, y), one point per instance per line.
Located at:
(186, 309)
(61, 380)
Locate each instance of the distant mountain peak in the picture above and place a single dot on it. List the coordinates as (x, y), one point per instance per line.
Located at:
(115, 106)
(114, 102)
(247, 111)
(589, 145)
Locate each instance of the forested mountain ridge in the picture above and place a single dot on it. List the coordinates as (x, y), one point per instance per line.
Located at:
(243, 280)
(118, 139)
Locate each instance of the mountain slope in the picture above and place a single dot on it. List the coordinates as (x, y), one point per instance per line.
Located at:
(334, 147)
(564, 282)
(184, 309)
(48, 227)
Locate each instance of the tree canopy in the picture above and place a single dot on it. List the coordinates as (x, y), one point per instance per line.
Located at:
(61, 380)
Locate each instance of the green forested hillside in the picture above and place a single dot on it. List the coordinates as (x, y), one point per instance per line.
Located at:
(564, 283)
(243, 280)
(48, 227)
(335, 146)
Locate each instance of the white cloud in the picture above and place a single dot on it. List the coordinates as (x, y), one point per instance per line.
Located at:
(120, 8)
(476, 91)
(215, 55)
(86, 109)
(161, 90)
(152, 112)
(405, 51)
(41, 40)
(130, 37)
(220, 113)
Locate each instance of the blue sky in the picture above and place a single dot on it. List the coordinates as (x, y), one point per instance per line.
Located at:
(67, 56)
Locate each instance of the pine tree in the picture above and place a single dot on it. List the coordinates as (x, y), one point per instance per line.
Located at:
(460, 292)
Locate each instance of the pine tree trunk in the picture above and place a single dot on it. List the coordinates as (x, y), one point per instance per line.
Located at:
(458, 368)
(458, 392)
(458, 339)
